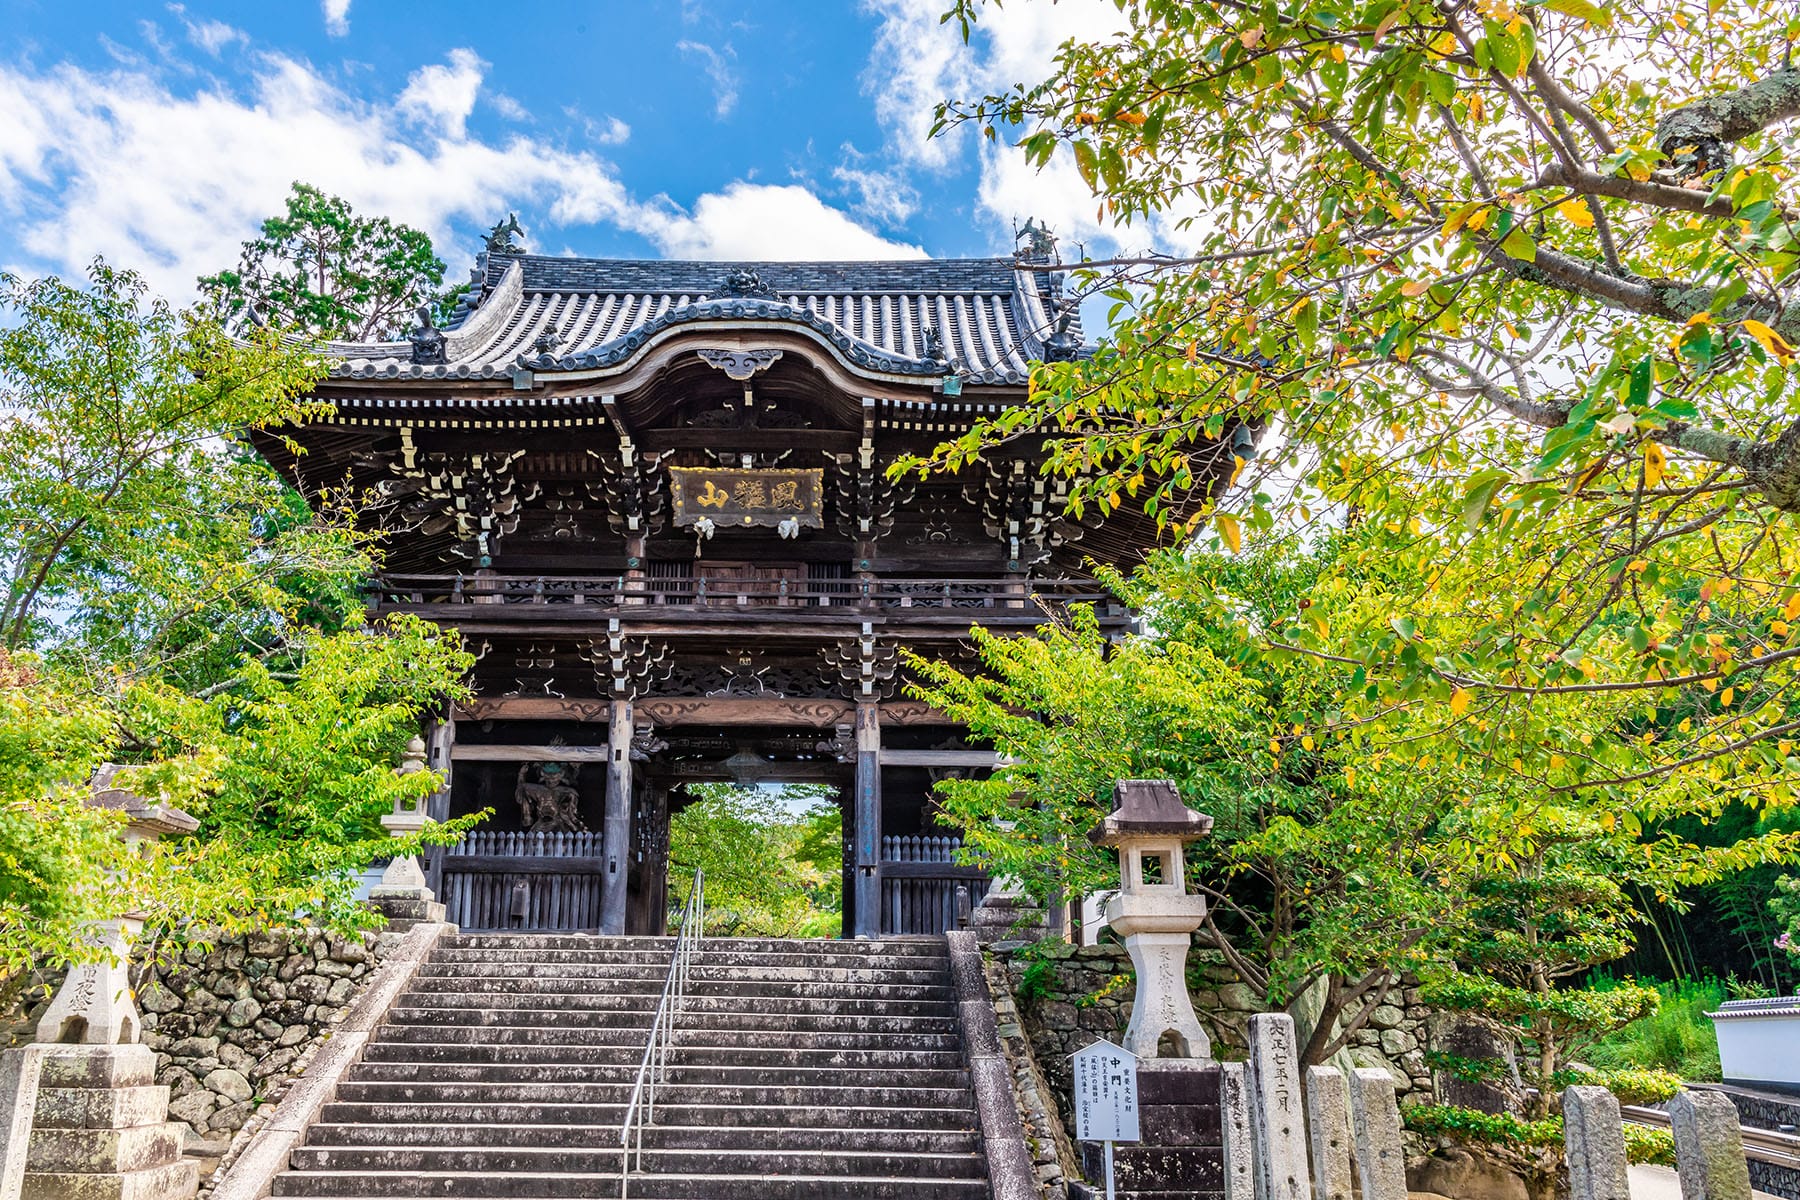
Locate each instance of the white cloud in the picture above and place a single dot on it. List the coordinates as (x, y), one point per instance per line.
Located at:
(767, 221)
(919, 62)
(719, 69)
(337, 16)
(884, 196)
(509, 108)
(210, 35)
(607, 131)
(443, 94)
(115, 164)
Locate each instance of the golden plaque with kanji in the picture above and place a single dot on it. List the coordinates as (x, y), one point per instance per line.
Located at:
(731, 496)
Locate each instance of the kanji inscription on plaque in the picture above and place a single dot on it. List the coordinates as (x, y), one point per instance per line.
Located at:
(729, 496)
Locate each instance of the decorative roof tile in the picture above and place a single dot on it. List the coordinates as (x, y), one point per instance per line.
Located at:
(983, 319)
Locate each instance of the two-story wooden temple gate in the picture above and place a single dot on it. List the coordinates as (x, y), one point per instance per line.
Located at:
(655, 499)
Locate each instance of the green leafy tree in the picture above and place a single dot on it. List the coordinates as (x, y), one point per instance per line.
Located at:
(1359, 836)
(325, 271)
(1515, 282)
(189, 617)
(132, 525)
(766, 870)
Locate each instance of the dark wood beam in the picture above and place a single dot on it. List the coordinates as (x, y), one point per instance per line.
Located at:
(476, 752)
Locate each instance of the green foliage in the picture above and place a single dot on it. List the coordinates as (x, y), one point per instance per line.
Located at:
(768, 871)
(1505, 1132)
(1037, 981)
(1676, 1038)
(1785, 904)
(1491, 301)
(135, 535)
(324, 271)
(190, 618)
(1630, 1085)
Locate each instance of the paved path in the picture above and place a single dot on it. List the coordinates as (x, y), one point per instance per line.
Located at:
(1660, 1183)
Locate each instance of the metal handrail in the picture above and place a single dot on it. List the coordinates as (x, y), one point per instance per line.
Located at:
(640, 1110)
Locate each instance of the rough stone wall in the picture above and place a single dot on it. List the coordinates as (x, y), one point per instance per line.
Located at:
(1068, 996)
(1052, 1153)
(233, 1020)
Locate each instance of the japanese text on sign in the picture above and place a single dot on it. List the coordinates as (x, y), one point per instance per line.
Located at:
(747, 497)
(1106, 1094)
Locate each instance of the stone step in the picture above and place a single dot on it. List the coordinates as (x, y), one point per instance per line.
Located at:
(533, 943)
(680, 1073)
(945, 1055)
(521, 1160)
(963, 1140)
(421, 1092)
(607, 1116)
(797, 1015)
(512, 1039)
(701, 993)
(364, 1186)
(574, 978)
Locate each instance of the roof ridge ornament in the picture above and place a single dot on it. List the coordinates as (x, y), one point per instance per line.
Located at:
(740, 365)
(500, 239)
(429, 346)
(747, 281)
(1034, 242)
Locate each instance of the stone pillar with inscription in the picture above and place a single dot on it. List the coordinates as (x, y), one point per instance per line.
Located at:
(1154, 913)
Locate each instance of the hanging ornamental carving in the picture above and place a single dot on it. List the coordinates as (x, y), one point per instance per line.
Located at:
(626, 667)
(865, 499)
(740, 365)
(865, 668)
(548, 797)
(474, 496)
(632, 483)
(645, 745)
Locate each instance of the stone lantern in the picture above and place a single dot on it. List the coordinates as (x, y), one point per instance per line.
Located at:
(94, 1005)
(1153, 911)
(403, 896)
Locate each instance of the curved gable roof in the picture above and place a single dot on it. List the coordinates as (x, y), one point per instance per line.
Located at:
(579, 314)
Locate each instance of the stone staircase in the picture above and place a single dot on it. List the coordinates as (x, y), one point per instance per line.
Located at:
(819, 1069)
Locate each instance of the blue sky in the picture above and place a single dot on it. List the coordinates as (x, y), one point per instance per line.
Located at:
(160, 134)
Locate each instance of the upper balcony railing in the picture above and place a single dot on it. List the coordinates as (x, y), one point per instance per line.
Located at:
(431, 592)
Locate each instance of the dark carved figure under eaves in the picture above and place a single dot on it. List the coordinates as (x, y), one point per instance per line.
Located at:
(549, 803)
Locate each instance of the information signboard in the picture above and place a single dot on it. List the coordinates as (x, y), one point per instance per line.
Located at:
(1106, 1101)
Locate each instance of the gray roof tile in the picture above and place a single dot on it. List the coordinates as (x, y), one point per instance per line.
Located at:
(992, 317)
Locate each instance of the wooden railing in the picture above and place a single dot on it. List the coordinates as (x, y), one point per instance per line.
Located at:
(496, 879)
(919, 878)
(432, 590)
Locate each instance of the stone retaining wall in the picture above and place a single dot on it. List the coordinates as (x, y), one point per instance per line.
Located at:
(1068, 996)
(233, 1021)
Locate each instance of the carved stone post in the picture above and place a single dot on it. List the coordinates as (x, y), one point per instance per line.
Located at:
(125, 1145)
(403, 896)
(615, 836)
(1154, 913)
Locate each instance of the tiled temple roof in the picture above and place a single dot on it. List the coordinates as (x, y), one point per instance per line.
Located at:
(548, 314)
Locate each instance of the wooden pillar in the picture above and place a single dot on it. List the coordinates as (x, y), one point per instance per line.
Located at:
(867, 812)
(615, 836)
(440, 746)
(656, 866)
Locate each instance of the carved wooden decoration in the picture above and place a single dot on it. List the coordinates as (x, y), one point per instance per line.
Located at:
(740, 365)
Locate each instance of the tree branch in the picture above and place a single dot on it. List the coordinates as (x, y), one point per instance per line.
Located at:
(1732, 116)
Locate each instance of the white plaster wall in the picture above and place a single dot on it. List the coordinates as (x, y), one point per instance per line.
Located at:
(1760, 1049)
